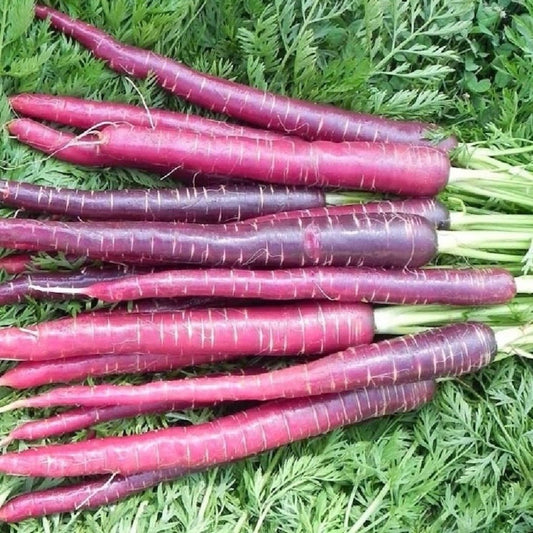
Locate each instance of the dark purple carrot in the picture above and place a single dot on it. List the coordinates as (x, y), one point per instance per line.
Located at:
(274, 112)
(440, 352)
(375, 240)
(429, 208)
(466, 286)
(385, 167)
(268, 426)
(201, 204)
(87, 114)
(84, 495)
(192, 334)
(22, 287)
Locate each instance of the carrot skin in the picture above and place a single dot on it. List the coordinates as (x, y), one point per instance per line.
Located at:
(429, 208)
(378, 239)
(84, 495)
(308, 328)
(274, 112)
(85, 114)
(481, 286)
(203, 204)
(20, 288)
(402, 169)
(270, 425)
(440, 352)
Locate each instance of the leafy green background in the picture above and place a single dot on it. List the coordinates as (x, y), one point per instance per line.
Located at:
(463, 463)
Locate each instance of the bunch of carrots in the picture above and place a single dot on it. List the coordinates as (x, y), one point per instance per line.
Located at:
(266, 214)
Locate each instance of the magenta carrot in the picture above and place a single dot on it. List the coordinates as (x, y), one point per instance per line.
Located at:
(380, 239)
(213, 204)
(307, 328)
(86, 114)
(385, 167)
(84, 495)
(16, 263)
(467, 286)
(440, 352)
(268, 426)
(275, 112)
(22, 287)
(38, 373)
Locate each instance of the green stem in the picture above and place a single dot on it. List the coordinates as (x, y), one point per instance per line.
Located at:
(448, 241)
(521, 197)
(494, 221)
(395, 319)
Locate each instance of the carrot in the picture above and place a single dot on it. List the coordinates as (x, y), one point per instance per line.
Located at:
(38, 373)
(270, 425)
(200, 204)
(395, 168)
(87, 114)
(440, 352)
(467, 286)
(84, 495)
(274, 112)
(194, 334)
(376, 239)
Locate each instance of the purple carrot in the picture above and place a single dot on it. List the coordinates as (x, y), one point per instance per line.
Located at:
(22, 287)
(202, 204)
(270, 425)
(86, 114)
(274, 112)
(467, 286)
(84, 495)
(430, 208)
(440, 352)
(303, 329)
(378, 239)
(385, 167)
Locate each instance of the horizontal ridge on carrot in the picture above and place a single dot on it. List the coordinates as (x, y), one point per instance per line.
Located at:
(440, 352)
(274, 112)
(270, 425)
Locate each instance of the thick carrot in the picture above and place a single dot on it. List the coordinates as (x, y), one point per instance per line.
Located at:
(308, 328)
(84, 495)
(296, 117)
(395, 168)
(380, 239)
(22, 287)
(270, 425)
(213, 204)
(467, 286)
(375, 239)
(440, 352)
(86, 114)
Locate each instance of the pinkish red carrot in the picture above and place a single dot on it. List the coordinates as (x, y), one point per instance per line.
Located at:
(468, 286)
(84, 495)
(385, 167)
(275, 112)
(268, 426)
(379, 239)
(213, 204)
(308, 328)
(86, 114)
(440, 352)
